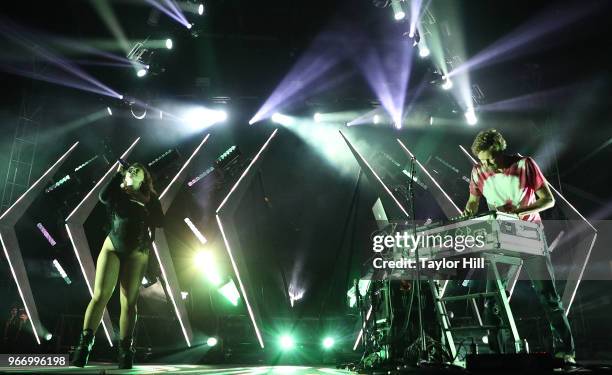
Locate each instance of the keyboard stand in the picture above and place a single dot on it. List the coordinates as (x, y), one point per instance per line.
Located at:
(499, 293)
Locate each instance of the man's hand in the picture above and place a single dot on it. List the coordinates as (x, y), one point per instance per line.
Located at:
(471, 207)
(467, 213)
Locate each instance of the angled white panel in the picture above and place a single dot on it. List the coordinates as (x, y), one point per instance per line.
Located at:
(224, 215)
(162, 251)
(369, 172)
(10, 244)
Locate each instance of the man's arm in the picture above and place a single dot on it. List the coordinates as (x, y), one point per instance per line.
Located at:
(544, 201)
(471, 207)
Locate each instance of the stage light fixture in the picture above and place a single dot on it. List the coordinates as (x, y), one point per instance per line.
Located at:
(399, 15)
(376, 119)
(141, 72)
(184, 295)
(328, 342)
(212, 341)
(61, 271)
(286, 342)
(470, 117)
(424, 51)
(169, 43)
(448, 84)
(109, 110)
(295, 294)
(201, 9)
(317, 117)
(48, 337)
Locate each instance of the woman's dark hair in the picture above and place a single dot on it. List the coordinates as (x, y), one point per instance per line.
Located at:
(146, 188)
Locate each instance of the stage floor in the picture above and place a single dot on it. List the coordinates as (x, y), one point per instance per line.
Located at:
(111, 368)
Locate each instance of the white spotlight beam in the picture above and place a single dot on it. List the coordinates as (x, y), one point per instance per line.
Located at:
(10, 244)
(363, 163)
(580, 259)
(162, 250)
(224, 214)
(76, 233)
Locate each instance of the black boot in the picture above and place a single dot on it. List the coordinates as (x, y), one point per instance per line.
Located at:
(83, 348)
(125, 359)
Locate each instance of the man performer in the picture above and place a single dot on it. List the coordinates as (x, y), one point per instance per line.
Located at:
(515, 184)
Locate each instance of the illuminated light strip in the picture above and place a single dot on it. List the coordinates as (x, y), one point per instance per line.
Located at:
(579, 279)
(184, 166)
(46, 234)
(106, 332)
(195, 231)
(244, 295)
(176, 310)
(60, 160)
(247, 170)
(361, 331)
(113, 168)
(25, 305)
(375, 175)
(430, 176)
(80, 263)
(200, 176)
(59, 268)
(156, 250)
(61, 271)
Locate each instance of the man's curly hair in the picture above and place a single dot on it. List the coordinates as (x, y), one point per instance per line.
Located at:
(488, 140)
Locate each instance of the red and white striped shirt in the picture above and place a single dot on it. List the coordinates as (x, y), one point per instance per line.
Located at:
(512, 187)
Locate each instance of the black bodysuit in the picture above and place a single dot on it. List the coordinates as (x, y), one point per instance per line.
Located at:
(130, 220)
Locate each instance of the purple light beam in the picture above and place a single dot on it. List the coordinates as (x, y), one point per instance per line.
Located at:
(18, 36)
(525, 102)
(320, 58)
(537, 28)
(178, 17)
(388, 74)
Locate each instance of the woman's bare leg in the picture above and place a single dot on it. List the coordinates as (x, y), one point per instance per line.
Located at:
(107, 271)
(132, 270)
